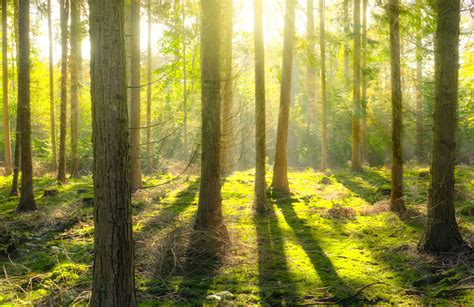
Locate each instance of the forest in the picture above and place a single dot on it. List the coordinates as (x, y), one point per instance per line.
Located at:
(237, 152)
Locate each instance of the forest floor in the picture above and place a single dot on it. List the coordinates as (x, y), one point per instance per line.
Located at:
(333, 241)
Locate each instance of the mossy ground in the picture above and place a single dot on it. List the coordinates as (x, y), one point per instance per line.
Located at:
(331, 237)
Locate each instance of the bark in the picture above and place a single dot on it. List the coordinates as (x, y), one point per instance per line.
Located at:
(420, 154)
(227, 97)
(136, 174)
(148, 95)
(260, 151)
(16, 155)
(6, 116)
(27, 198)
(280, 167)
(209, 214)
(346, 41)
(64, 13)
(113, 283)
(356, 164)
(311, 71)
(396, 199)
(75, 63)
(441, 232)
(324, 120)
(364, 99)
(54, 166)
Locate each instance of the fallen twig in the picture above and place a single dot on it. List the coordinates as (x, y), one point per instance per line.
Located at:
(335, 300)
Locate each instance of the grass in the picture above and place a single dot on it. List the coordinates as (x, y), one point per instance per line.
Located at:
(326, 242)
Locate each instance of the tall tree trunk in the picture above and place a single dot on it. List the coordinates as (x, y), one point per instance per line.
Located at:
(346, 41)
(209, 214)
(6, 115)
(16, 155)
(185, 79)
(227, 98)
(364, 99)
(260, 151)
(356, 164)
(113, 283)
(280, 167)
(441, 231)
(64, 13)
(420, 154)
(396, 200)
(324, 120)
(149, 159)
(54, 166)
(311, 71)
(27, 197)
(136, 174)
(76, 60)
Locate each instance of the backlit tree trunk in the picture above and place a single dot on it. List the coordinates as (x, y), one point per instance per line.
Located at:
(54, 166)
(280, 167)
(6, 117)
(136, 174)
(420, 154)
(27, 197)
(346, 41)
(149, 159)
(76, 60)
(16, 155)
(324, 120)
(311, 70)
(260, 151)
(356, 164)
(441, 232)
(113, 283)
(364, 99)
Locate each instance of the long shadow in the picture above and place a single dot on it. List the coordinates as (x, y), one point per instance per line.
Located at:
(369, 194)
(275, 283)
(312, 246)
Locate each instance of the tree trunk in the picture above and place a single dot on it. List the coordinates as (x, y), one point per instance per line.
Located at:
(227, 98)
(16, 155)
(311, 71)
(364, 100)
(136, 174)
(27, 197)
(420, 154)
(280, 168)
(76, 60)
(324, 120)
(396, 200)
(356, 165)
(113, 283)
(346, 41)
(209, 214)
(260, 151)
(185, 80)
(64, 13)
(149, 160)
(441, 231)
(6, 116)
(54, 166)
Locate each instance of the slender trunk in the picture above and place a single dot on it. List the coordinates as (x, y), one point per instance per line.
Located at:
(396, 203)
(6, 116)
(364, 99)
(64, 13)
(324, 120)
(27, 197)
(356, 164)
(209, 214)
(419, 87)
(185, 80)
(441, 232)
(311, 71)
(260, 151)
(136, 174)
(149, 160)
(346, 41)
(76, 60)
(16, 155)
(280, 167)
(113, 283)
(54, 166)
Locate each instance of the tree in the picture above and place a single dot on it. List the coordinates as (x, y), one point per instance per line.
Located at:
(64, 13)
(54, 166)
(441, 232)
(113, 283)
(346, 40)
(209, 213)
(311, 71)
(16, 155)
(396, 199)
(76, 60)
(356, 165)
(148, 93)
(260, 151)
(324, 120)
(27, 197)
(136, 174)
(6, 118)
(420, 151)
(364, 99)
(227, 97)
(280, 167)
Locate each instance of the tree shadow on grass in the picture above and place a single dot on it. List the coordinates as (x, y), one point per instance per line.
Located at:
(276, 287)
(371, 194)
